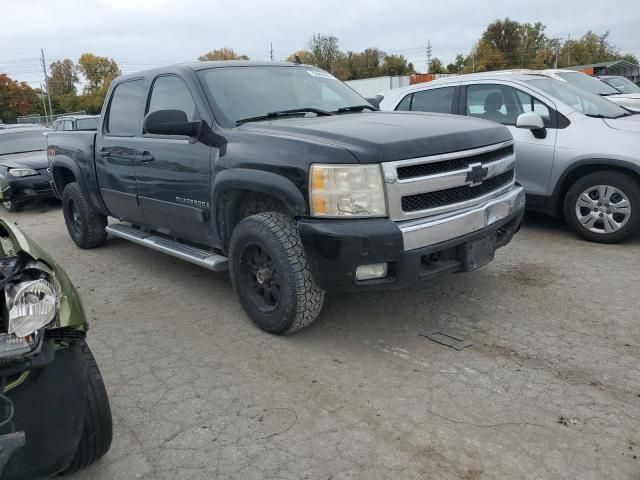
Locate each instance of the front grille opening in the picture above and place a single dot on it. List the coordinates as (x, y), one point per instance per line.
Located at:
(412, 171)
(423, 201)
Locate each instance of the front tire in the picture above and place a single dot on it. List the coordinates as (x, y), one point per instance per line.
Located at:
(270, 274)
(86, 226)
(604, 207)
(97, 430)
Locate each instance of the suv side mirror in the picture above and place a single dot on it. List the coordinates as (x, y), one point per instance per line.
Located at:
(530, 120)
(170, 122)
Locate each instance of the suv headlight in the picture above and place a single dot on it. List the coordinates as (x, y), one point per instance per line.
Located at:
(22, 172)
(32, 303)
(346, 191)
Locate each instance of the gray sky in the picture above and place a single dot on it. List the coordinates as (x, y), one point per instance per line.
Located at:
(140, 34)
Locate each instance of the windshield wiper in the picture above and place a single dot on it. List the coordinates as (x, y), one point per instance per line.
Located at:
(356, 108)
(595, 115)
(285, 113)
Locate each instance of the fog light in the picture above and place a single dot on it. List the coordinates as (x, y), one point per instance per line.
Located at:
(368, 272)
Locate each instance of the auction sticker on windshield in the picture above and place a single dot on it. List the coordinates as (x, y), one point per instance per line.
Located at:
(321, 74)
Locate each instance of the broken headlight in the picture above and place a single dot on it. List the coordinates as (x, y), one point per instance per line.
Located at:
(32, 300)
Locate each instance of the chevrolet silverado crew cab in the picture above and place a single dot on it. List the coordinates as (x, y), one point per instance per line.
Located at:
(285, 176)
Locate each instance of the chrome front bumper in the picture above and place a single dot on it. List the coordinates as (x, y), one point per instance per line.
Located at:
(425, 232)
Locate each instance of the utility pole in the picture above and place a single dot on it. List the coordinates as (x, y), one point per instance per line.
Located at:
(429, 50)
(44, 104)
(46, 81)
(568, 46)
(271, 50)
(556, 52)
(473, 59)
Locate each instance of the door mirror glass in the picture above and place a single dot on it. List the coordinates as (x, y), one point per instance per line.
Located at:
(530, 120)
(170, 122)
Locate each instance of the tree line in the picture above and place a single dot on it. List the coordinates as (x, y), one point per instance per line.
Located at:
(504, 44)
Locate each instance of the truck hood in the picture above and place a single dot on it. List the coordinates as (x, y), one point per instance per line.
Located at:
(36, 160)
(630, 101)
(628, 124)
(375, 137)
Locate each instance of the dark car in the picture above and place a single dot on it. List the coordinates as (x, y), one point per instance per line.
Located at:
(54, 410)
(76, 122)
(24, 174)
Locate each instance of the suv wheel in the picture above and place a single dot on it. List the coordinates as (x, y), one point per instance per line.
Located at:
(604, 207)
(270, 274)
(86, 226)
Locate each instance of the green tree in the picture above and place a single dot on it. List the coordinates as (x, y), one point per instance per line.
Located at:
(629, 57)
(99, 71)
(63, 77)
(355, 65)
(396, 65)
(325, 51)
(504, 36)
(436, 66)
(457, 66)
(222, 54)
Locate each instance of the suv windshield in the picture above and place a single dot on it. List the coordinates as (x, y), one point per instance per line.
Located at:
(585, 82)
(582, 101)
(622, 84)
(18, 142)
(247, 92)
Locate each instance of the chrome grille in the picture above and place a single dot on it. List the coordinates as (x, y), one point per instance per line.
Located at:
(420, 170)
(421, 187)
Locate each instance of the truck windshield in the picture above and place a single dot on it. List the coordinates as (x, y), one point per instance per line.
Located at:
(622, 84)
(578, 99)
(18, 142)
(585, 82)
(247, 92)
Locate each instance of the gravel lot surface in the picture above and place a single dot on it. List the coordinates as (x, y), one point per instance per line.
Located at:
(550, 388)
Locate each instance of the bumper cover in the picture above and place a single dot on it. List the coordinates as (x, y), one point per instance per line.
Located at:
(412, 250)
(26, 188)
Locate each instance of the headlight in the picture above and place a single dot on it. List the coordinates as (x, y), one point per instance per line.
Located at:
(22, 172)
(346, 190)
(33, 303)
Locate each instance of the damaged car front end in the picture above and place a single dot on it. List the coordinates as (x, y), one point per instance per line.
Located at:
(54, 411)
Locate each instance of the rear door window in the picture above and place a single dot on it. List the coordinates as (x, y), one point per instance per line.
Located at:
(125, 109)
(405, 104)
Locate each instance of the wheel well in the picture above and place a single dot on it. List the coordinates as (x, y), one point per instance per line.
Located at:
(580, 172)
(240, 204)
(62, 176)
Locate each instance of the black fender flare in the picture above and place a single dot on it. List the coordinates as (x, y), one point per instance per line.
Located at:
(260, 181)
(69, 164)
(556, 200)
(72, 165)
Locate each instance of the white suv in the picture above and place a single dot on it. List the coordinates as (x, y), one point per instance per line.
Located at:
(577, 154)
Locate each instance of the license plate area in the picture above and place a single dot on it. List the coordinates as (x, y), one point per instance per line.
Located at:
(479, 252)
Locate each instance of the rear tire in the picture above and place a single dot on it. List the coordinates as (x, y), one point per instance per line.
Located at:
(86, 226)
(270, 274)
(97, 430)
(12, 206)
(604, 207)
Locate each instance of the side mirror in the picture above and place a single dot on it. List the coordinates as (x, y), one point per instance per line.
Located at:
(530, 120)
(374, 102)
(170, 122)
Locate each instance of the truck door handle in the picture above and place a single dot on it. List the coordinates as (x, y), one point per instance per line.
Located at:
(104, 153)
(146, 157)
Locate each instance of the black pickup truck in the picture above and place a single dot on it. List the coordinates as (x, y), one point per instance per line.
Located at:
(285, 176)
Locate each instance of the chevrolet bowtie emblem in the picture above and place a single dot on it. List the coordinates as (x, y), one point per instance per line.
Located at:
(476, 174)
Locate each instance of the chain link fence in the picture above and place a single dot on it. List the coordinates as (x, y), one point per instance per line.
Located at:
(46, 120)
